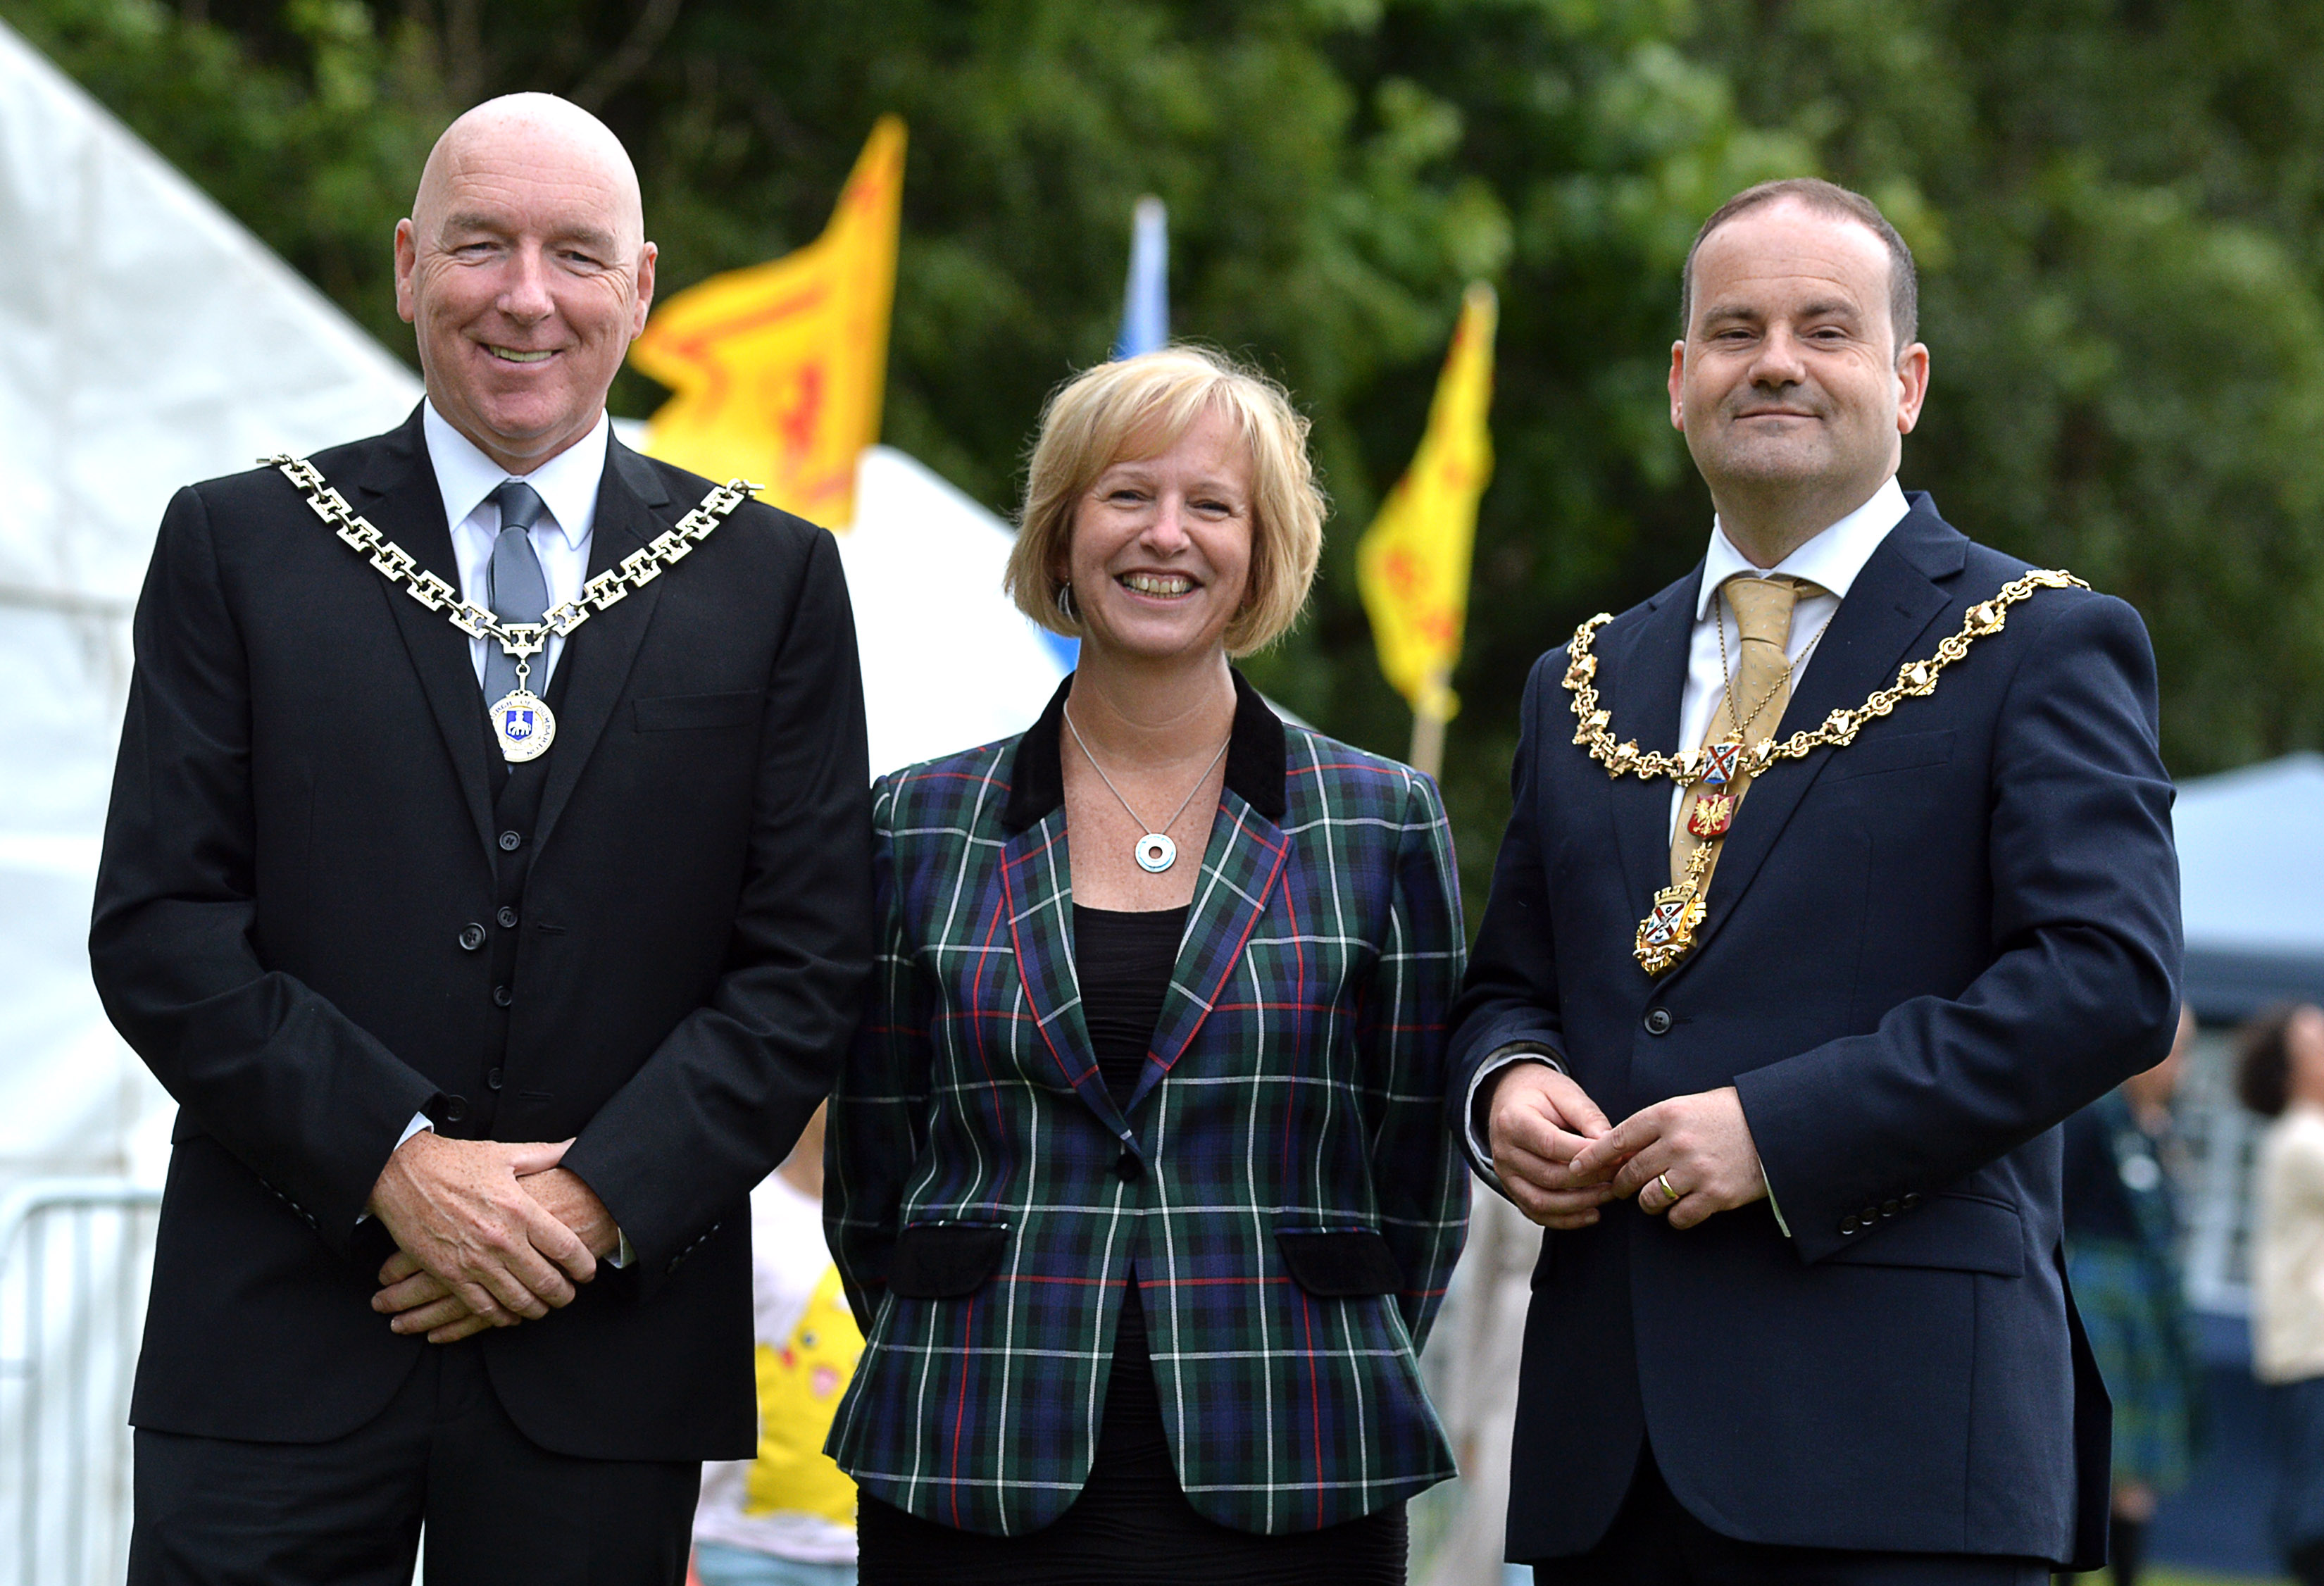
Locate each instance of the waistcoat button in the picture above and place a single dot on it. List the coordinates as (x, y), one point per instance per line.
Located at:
(510, 842)
(508, 919)
(502, 996)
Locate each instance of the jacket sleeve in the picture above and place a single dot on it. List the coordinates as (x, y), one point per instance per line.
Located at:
(1400, 1032)
(258, 1060)
(876, 1127)
(2083, 988)
(1508, 999)
(724, 1097)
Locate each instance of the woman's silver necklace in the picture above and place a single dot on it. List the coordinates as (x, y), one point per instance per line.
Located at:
(1155, 851)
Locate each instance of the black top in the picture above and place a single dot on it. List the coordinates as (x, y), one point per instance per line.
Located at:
(1123, 961)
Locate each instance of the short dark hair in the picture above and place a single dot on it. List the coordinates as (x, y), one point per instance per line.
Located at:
(2263, 1061)
(1827, 199)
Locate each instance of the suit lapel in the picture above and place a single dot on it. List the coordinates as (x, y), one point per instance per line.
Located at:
(1889, 609)
(1641, 686)
(595, 666)
(1242, 868)
(397, 492)
(1038, 899)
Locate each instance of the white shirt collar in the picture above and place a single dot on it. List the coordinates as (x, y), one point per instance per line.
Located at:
(1832, 558)
(568, 483)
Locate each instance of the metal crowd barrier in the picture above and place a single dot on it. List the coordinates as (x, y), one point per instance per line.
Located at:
(76, 1257)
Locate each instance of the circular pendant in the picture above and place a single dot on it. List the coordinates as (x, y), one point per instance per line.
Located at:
(1156, 852)
(522, 725)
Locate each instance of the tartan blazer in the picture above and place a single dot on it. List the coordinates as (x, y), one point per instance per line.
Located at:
(1281, 1181)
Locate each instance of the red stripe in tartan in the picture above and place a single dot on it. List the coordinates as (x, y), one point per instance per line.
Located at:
(1385, 773)
(960, 1415)
(1314, 1403)
(1299, 969)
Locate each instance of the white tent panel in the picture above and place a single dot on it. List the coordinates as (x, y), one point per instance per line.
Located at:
(947, 663)
(146, 339)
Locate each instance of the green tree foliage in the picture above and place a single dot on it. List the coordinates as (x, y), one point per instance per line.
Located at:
(2116, 203)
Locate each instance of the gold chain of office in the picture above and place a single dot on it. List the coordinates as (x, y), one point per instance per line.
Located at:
(1667, 933)
(521, 719)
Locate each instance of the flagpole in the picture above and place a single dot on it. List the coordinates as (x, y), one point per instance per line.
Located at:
(1428, 719)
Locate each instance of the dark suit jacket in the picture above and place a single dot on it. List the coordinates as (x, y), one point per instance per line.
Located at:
(303, 925)
(1922, 952)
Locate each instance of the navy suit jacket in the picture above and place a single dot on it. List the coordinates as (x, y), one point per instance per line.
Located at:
(1922, 952)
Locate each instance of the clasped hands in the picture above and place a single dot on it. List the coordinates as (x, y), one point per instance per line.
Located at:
(487, 1235)
(1560, 1160)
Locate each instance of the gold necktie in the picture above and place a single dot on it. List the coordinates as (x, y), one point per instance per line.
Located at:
(1758, 687)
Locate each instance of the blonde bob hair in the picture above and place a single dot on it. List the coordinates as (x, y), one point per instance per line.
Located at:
(1137, 408)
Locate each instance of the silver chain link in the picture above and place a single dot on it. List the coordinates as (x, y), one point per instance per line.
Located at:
(521, 640)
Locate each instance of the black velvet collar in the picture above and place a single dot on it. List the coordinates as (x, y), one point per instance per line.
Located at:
(1257, 757)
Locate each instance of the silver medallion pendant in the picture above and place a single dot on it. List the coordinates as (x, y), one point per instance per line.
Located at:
(1155, 854)
(522, 725)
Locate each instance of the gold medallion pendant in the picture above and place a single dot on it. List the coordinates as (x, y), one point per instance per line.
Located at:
(1667, 933)
(522, 725)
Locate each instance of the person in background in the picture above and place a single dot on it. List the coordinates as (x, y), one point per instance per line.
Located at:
(788, 1517)
(2282, 1078)
(2122, 1260)
(1138, 1172)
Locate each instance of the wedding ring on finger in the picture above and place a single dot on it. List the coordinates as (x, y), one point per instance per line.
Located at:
(1670, 1195)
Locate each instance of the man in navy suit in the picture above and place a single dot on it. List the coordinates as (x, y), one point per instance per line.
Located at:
(1839, 972)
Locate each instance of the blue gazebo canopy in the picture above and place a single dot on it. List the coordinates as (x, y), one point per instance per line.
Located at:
(2251, 865)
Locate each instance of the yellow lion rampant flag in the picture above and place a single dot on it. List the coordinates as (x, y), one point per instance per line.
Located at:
(778, 370)
(1412, 565)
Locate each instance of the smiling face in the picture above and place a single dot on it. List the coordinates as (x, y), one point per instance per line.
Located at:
(525, 269)
(1793, 396)
(1161, 545)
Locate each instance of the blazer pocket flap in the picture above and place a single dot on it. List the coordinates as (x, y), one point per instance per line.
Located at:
(1340, 1264)
(1869, 757)
(944, 1260)
(1960, 1232)
(672, 713)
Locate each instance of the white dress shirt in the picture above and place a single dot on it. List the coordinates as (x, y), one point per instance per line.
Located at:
(567, 484)
(1832, 559)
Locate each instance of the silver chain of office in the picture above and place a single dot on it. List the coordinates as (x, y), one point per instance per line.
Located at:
(521, 640)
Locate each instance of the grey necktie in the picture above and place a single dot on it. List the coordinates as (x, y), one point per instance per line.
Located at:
(520, 593)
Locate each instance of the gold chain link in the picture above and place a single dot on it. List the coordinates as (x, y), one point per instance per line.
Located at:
(521, 640)
(1915, 680)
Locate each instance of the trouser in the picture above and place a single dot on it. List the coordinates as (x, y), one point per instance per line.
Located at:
(498, 1508)
(1654, 1541)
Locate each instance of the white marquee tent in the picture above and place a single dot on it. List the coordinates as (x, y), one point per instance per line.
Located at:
(146, 339)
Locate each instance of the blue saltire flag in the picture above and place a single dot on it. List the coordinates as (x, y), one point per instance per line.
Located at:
(1146, 305)
(1145, 327)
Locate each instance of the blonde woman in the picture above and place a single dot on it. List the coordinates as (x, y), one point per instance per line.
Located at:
(1139, 1174)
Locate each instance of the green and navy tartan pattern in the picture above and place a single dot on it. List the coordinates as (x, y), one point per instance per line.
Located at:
(1295, 1083)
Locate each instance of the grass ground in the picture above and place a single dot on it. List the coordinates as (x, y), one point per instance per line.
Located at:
(2190, 1578)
